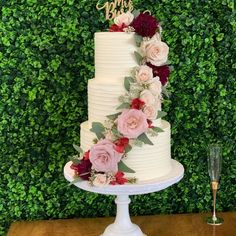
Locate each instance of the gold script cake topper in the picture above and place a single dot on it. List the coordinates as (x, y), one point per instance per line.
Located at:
(115, 8)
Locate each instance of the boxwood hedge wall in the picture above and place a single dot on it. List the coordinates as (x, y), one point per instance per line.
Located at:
(46, 59)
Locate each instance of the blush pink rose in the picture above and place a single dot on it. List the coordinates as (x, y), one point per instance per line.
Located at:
(147, 97)
(155, 51)
(104, 157)
(132, 123)
(144, 74)
(150, 111)
(124, 18)
(100, 180)
(155, 86)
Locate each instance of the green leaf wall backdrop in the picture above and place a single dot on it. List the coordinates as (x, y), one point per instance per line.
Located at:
(46, 59)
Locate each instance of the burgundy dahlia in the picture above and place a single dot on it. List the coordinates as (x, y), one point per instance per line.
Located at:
(162, 72)
(82, 169)
(145, 25)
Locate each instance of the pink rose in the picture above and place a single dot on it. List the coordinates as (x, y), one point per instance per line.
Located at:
(104, 157)
(124, 18)
(132, 122)
(155, 87)
(100, 180)
(147, 97)
(155, 51)
(150, 111)
(144, 74)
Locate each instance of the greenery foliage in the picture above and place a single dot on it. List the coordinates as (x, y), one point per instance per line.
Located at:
(46, 58)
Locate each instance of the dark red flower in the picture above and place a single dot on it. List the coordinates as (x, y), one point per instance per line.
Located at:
(119, 178)
(150, 124)
(120, 149)
(162, 72)
(121, 144)
(116, 28)
(86, 155)
(82, 169)
(145, 25)
(137, 104)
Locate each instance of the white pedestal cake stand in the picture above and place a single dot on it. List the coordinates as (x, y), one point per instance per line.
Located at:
(123, 225)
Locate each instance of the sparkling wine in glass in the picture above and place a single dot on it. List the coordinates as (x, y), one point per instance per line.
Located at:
(214, 170)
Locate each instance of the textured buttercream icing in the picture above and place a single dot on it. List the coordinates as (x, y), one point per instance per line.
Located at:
(114, 60)
(148, 161)
(114, 55)
(103, 99)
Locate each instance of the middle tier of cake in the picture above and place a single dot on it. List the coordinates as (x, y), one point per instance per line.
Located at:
(149, 161)
(103, 100)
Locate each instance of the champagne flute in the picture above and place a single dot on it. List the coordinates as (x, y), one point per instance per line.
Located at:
(214, 170)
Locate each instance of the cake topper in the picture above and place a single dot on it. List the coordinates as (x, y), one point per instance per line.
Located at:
(115, 8)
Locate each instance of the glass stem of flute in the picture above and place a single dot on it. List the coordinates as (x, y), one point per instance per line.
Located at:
(214, 186)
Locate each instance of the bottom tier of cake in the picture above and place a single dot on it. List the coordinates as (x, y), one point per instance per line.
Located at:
(148, 161)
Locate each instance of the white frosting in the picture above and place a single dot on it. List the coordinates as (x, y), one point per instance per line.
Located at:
(148, 161)
(114, 55)
(103, 99)
(114, 60)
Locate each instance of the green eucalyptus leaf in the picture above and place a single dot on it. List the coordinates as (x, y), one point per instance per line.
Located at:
(136, 12)
(114, 116)
(138, 39)
(158, 129)
(75, 160)
(115, 132)
(98, 129)
(131, 79)
(161, 114)
(128, 148)
(144, 138)
(78, 149)
(127, 83)
(123, 106)
(123, 167)
(165, 91)
(138, 57)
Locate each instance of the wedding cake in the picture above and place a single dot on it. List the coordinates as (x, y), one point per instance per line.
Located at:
(125, 138)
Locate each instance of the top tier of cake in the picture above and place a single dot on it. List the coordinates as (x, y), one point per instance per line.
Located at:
(114, 56)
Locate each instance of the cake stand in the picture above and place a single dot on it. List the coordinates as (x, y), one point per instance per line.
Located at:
(122, 225)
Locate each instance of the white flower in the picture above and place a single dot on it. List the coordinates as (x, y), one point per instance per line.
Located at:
(147, 97)
(124, 18)
(100, 180)
(144, 74)
(155, 87)
(155, 51)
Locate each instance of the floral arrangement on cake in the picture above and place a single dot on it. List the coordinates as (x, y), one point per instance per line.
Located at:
(132, 125)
